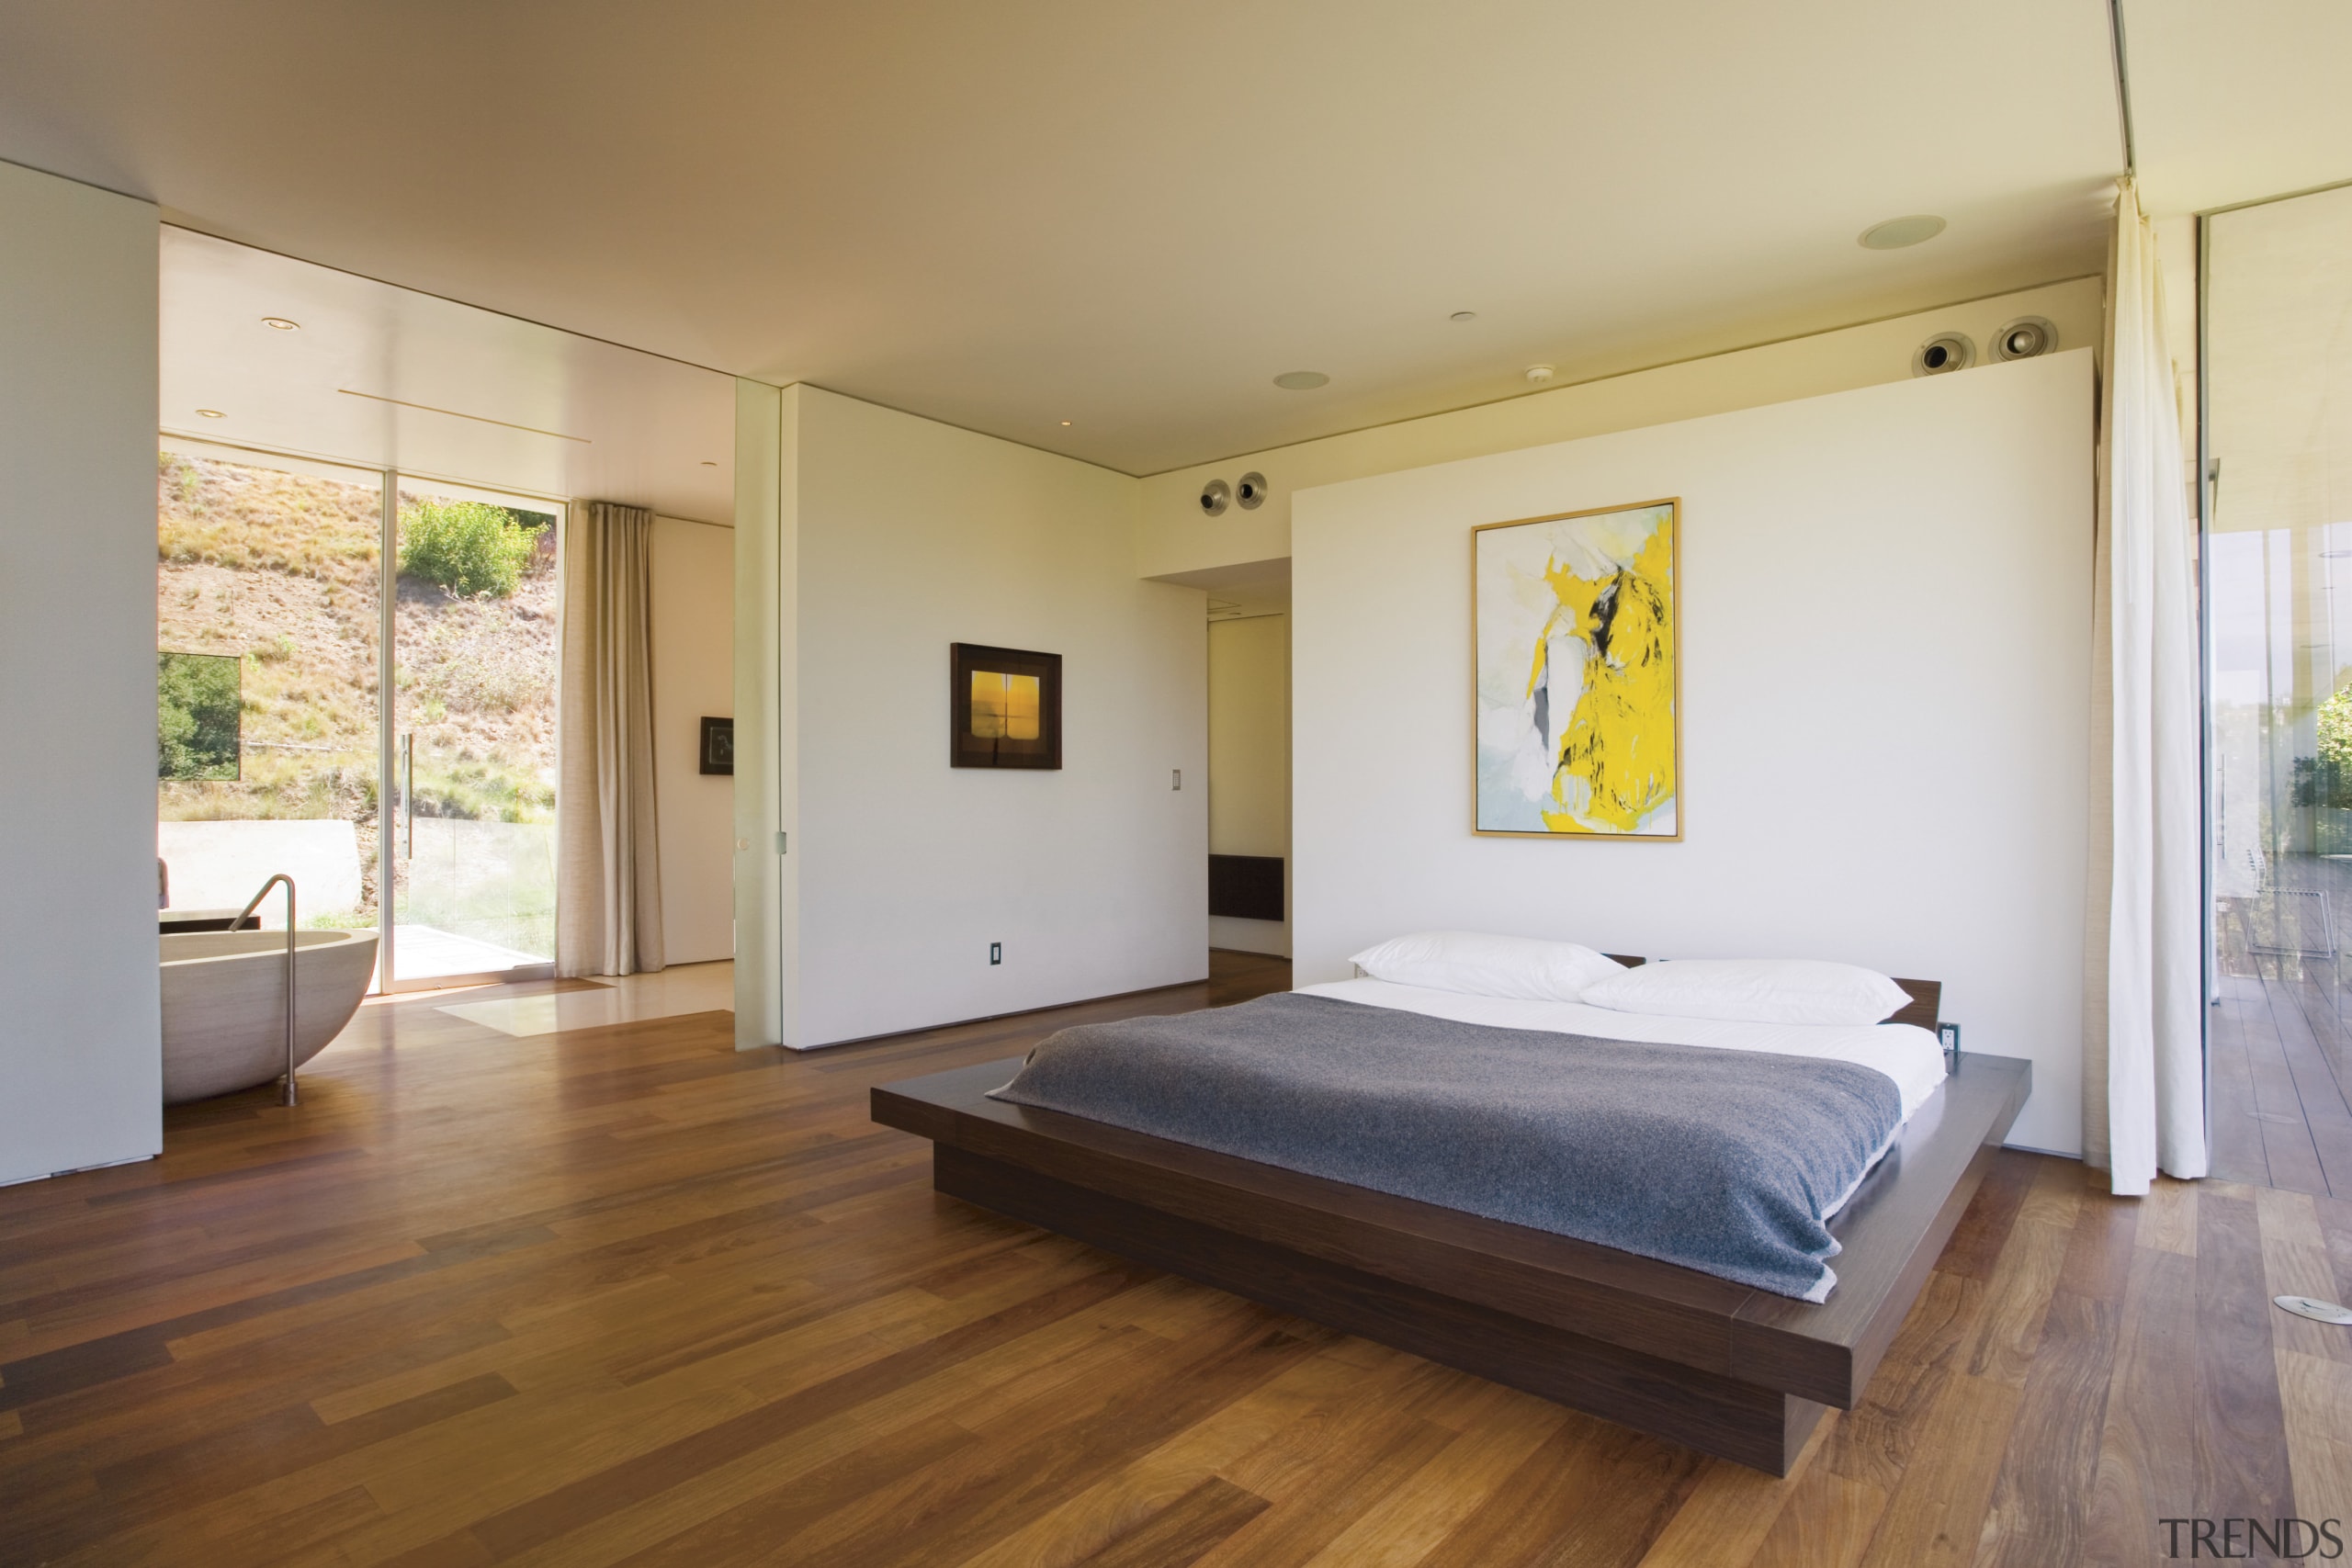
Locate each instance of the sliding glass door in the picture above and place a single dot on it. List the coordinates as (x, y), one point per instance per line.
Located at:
(473, 642)
(385, 737)
(2278, 434)
(2278, 542)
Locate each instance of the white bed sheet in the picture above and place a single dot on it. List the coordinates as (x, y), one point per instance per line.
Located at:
(1910, 1056)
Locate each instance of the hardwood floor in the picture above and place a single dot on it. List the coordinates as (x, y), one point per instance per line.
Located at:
(623, 1295)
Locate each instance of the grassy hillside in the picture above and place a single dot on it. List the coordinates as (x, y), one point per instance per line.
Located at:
(281, 570)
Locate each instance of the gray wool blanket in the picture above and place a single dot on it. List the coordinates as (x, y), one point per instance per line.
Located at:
(1729, 1162)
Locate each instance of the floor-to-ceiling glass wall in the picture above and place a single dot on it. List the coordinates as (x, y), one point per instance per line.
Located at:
(267, 587)
(473, 724)
(2277, 386)
(280, 636)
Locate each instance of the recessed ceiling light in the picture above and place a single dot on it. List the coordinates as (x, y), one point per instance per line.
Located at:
(1538, 373)
(1301, 381)
(708, 463)
(212, 414)
(1897, 232)
(1464, 316)
(282, 323)
(1064, 424)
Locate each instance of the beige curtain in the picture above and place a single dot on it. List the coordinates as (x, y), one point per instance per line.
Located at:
(608, 911)
(2143, 1083)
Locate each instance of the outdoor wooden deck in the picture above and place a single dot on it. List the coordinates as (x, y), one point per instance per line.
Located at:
(2281, 1045)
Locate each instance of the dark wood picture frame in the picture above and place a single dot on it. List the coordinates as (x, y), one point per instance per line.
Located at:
(718, 752)
(968, 749)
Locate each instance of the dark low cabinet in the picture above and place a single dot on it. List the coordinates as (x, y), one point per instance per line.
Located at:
(1248, 887)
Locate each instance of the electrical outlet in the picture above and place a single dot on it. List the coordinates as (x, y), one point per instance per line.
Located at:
(996, 953)
(1948, 1033)
(1175, 778)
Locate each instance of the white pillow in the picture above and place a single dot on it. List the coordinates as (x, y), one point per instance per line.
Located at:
(1753, 990)
(1517, 966)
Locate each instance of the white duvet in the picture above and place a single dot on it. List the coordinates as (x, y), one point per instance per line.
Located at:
(1905, 1052)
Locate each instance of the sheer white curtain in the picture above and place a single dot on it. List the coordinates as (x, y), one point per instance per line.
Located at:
(2143, 1076)
(608, 874)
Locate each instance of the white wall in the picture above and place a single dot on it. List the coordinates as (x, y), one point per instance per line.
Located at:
(1249, 763)
(693, 652)
(81, 1068)
(1173, 538)
(908, 535)
(1886, 616)
(766, 886)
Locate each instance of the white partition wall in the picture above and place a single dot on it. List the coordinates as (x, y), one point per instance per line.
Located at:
(766, 900)
(693, 652)
(81, 1074)
(867, 542)
(1885, 636)
(914, 534)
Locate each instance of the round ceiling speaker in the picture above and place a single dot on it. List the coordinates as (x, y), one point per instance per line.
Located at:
(1943, 352)
(1216, 496)
(1899, 233)
(1250, 490)
(2024, 338)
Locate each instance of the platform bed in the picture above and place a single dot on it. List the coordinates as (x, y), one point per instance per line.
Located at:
(1719, 1367)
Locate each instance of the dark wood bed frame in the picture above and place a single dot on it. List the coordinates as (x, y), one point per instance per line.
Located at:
(1703, 1361)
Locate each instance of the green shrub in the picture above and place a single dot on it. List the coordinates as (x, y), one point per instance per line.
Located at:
(196, 708)
(467, 546)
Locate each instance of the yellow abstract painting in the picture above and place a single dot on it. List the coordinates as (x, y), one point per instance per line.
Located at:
(1004, 707)
(1577, 670)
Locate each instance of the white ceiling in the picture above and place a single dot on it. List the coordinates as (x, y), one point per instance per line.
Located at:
(1132, 217)
(2235, 102)
(387, 377)
(2278, 356)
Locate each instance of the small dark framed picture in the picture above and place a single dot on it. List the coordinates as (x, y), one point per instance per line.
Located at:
(717, 745)
(1004, 707)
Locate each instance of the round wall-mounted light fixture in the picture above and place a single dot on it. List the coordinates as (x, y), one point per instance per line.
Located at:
(1537, 375)
(211, 413)
(1897, 232)
(1249, 490)
(1301, 381)
(282, 323)
(1943, 354)
(2024, 338)
(1216, 496)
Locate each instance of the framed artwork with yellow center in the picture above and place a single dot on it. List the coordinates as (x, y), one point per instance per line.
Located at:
(1578, 696)
(1004, 707)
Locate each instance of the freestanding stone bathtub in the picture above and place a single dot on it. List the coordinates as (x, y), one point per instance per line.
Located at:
(225, 1000)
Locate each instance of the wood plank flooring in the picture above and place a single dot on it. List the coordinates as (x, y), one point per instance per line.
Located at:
(2280, 1045)
(623, 1295)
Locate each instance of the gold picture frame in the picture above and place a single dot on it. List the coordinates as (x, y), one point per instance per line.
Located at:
(1576, 731)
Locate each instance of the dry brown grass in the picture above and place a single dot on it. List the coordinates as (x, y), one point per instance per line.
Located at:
(227, 514)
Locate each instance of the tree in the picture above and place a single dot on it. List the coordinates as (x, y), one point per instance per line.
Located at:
(467, 547)
(197, 715)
